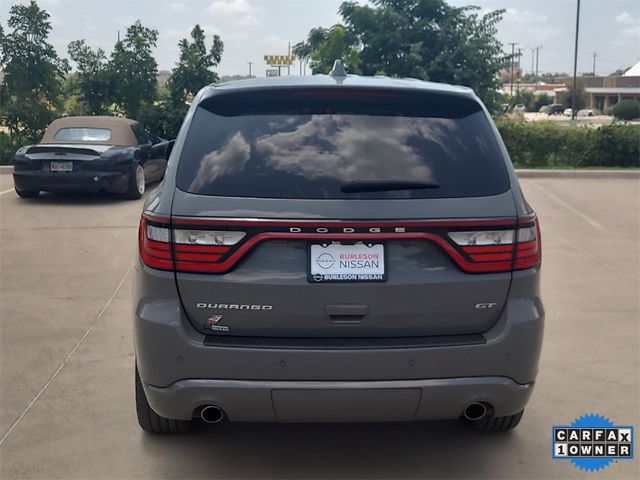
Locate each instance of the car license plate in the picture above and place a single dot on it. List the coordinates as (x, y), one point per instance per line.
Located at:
(335, 262)
(62, 166)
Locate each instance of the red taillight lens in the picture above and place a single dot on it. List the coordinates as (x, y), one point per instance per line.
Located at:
(216, 245)
(155, 247)
(529, 246)
(500, 250)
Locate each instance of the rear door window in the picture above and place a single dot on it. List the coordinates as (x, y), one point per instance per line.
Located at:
(310, 144)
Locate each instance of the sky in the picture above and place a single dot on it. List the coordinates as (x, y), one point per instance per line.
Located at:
(252, 28)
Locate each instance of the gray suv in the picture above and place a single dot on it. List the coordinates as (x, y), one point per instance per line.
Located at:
(337, 248)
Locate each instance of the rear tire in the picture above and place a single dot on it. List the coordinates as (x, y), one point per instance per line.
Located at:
(137, 185)
(27, 193)
(149, 420)
(489, 423)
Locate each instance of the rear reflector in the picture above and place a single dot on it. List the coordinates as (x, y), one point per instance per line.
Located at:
(476, 246)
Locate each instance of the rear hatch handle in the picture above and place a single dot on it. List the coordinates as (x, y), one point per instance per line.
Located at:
(346, 314)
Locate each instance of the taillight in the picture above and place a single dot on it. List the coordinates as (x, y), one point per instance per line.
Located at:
(155, 245)
(201, 250)
(216, 245)
(500, 250)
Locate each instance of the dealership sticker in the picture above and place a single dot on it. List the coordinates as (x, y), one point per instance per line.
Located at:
(592, 442)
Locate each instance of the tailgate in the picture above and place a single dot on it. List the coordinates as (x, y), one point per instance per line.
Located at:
(264, 285)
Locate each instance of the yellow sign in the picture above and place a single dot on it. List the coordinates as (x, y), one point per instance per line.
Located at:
(279, 60)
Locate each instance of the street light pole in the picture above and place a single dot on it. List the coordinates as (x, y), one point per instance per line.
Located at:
(250, 63)
(575, 68)
(513, 48)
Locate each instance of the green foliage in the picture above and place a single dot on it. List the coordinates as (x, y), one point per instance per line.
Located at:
(33, 72)
(93, 77)
(324, 46)
(9, 143)
(134, 69)
(541, 100)
(525, 97)
(581, 96)
(429, 40)
(193, 70)
(548, 145)
(162, 118)
(626, 110)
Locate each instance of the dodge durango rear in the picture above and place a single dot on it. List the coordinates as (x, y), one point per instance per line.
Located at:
(337, 248)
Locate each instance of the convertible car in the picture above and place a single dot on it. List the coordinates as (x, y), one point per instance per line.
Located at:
(88, 154)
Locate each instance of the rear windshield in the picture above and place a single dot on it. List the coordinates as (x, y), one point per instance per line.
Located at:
(81, 134)
(318, 144)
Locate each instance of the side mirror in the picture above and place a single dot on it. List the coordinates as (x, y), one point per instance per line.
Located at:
(168, 148)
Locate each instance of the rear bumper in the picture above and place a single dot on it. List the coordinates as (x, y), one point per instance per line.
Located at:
(181, 373)
(278, 401)
(116, 181)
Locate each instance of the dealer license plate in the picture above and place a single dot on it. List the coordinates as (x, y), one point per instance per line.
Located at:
(335, 262)
(62, 166)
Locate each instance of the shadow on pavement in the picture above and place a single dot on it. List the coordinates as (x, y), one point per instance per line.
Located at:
(382, 450)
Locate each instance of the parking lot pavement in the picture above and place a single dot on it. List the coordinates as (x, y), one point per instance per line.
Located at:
(66, 371)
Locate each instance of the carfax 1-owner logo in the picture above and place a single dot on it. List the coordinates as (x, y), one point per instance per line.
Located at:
(592, 442)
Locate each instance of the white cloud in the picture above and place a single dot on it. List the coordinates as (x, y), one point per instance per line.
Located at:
(178, 7)
(237, 12)
(524, 16)
(625, 18)
(230, 7)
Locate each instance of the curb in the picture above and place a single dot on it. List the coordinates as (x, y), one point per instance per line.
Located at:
(596, 173)
(6, 169)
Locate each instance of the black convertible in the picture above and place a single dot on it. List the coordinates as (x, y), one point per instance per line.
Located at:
(90, 154)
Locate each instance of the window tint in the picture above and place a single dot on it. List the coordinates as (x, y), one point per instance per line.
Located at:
(79, 134)
(312, 145)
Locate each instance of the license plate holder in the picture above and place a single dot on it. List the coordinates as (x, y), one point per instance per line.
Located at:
(347, 262)
(61, 167)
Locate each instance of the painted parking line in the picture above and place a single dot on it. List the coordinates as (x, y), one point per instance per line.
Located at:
(7, 191)
(571, 208)
(68, 357)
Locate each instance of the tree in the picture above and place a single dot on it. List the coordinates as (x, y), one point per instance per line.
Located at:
(303, 50)
(33, 72)
(324, 45)
(429, 40)
(193, 70)
(581, 96)
(133, 68)
(338, 42)
(93, 77)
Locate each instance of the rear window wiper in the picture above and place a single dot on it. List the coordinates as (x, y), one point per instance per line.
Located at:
(385, 186)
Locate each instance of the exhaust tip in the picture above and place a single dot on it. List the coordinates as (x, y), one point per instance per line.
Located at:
(211, 414)
(475, 412)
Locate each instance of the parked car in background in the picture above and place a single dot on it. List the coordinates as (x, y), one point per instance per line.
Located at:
(519, 109)
(91, 154)
(585, 112)
(555, 109)
(337, 248)
(567, 112)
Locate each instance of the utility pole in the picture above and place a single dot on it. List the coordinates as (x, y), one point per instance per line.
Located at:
(513, 47)
(594, 63)
(118, 36)
(250, 63)
(537, 56)
(575, 67)
(520, 50)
